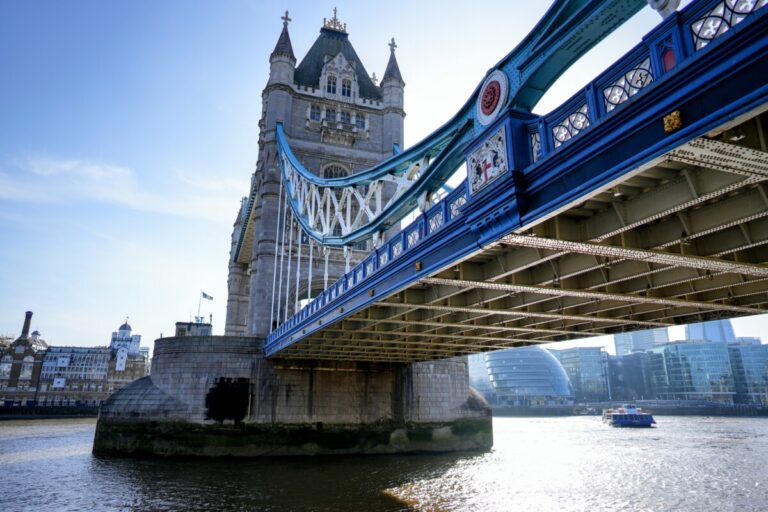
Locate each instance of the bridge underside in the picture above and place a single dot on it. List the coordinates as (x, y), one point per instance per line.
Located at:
(681, 239)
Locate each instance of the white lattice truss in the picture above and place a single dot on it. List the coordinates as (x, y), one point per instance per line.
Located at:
(348, 207)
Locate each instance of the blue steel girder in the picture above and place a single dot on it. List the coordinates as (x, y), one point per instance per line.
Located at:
(568, 30)
(708, 87)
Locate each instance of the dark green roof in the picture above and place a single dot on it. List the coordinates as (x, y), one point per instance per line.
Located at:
(331, 43)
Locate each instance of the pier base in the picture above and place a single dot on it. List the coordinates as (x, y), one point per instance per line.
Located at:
(218, 396)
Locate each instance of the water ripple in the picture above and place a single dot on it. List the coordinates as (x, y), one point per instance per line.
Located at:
(567, 464)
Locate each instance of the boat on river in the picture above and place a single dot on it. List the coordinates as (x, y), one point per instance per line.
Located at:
(628, 416)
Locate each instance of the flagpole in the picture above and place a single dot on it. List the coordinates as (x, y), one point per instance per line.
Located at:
(199, 301)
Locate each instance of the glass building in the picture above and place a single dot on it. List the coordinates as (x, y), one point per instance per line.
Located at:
(750, 373)
(528, 376)
(692, 371)
(720, 331)
(478, 376)
(629, 377)
(628, 342)
(586, 369)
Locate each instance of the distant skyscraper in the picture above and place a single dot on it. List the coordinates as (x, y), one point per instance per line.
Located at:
(748, 340)
(628, 342)
(717, 331)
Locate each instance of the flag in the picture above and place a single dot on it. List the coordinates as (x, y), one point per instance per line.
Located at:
(205, 295)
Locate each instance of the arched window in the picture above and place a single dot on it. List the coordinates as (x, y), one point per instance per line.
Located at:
(314, 113)
(360, 121)
(334, 171)
(5, 367)
(346, 117)
(26, 368)
(346, 88)
(330, 86)
(330, 115)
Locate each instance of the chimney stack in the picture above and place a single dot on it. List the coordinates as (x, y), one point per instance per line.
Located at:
(27, 322)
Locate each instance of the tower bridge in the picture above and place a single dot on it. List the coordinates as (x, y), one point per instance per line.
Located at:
(640, 202)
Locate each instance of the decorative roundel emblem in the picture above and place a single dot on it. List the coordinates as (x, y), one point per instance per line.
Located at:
(492, 97)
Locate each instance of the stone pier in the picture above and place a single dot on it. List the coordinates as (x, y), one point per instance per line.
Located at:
(218, 396)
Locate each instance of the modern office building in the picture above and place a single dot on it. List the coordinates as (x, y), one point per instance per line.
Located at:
(719, 331)
(692, 371)
(478, 376)
(750, 373)
(748, 340)
(528, 376)
(586, 368)
(628, 342)
(628, 377)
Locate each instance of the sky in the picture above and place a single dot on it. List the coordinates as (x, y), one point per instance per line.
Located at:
(128, 134)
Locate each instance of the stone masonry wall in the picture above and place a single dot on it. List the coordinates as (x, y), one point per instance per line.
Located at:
(184, 371)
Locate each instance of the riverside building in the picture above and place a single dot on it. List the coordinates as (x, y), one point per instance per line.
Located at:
(33, 374)
(692, 371)
(20, 365)
(750, 373)
(528, 376)
(586, 368)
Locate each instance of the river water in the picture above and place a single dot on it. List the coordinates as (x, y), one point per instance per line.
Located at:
(537, 464)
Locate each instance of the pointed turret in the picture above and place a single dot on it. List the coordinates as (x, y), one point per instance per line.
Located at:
(392, 85)
(283, 46)
(392, 72)
(282, 60)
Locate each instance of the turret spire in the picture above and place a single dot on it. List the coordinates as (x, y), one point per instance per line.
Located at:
(283, 46)
(393, 70)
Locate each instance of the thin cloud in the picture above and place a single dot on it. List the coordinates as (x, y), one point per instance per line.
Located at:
(80, 168)
(67, 181)
(201, 181)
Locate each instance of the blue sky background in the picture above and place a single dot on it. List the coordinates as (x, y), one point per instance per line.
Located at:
(128, 135)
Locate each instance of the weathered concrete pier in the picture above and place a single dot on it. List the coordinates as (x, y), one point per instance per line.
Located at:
(287, 407)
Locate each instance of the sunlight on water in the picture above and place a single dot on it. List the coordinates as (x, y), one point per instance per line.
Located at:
(537, 464)
(578, 464)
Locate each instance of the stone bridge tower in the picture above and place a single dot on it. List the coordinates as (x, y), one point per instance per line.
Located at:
(338, 121)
